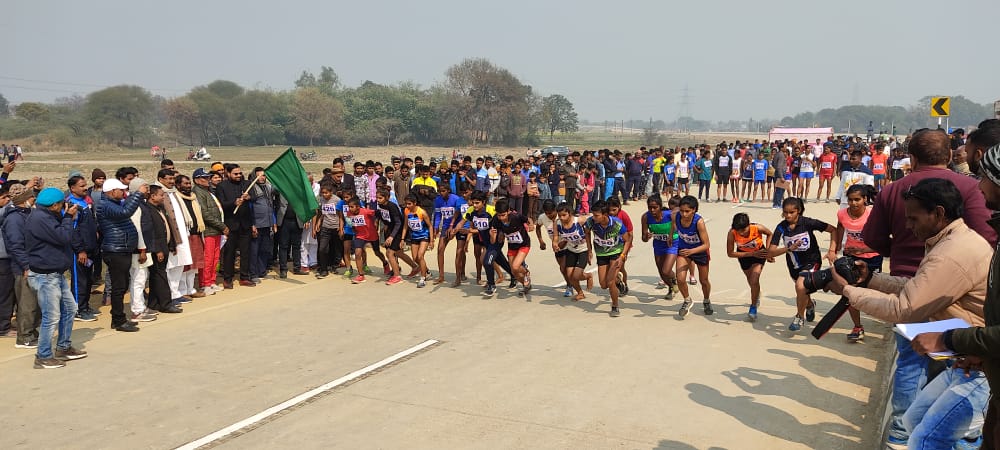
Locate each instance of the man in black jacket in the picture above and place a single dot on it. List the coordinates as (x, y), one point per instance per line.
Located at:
(232, 194)
(49, 238)
(160, 241)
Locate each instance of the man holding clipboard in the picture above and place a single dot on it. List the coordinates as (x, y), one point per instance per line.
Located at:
(950, 282)
(978, 345)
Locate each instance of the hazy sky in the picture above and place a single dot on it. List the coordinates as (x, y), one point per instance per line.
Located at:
(613, 60)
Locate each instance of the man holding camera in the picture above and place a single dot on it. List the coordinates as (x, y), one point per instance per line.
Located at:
(950, 282)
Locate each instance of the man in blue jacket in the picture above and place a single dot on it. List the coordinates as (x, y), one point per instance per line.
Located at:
(48, 237)
(84, 247)
(28, 317)
(120, 241)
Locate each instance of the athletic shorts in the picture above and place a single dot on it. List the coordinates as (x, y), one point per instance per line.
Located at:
(682, 181)
(360, 243)
(747, 262)
(806, 175)
(879, 177)
(826, 175)
(512, 253)
(722, 178)
(412, 241)
(578, 260)
(700, 259)
(561, 253)
(461, 236)
(660, 248)
(397, 242)
(605, 260)
(770, 179)
(806, 268)
(760, 182)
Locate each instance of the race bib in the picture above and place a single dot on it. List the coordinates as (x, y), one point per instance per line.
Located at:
(385, 214)
(826, 165)
(661, 237)
(358, 221)
(724, 163)
(329, 209)
(414, 223)
(600, 242)
(802, 239)
(758, 166)
(879, 166)
(514, 238)
(481, 223)
(897, 164)
(690, 238)
(708, 164)
(748, 246)
(447, 212)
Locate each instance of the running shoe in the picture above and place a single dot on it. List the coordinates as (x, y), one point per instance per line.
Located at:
(670, 293)
(422, 282)
(620, 284)
(856, 334)
(811, 312)
(386, 270)
(707, 308)
(752, 314)
(685, 308)
(393, 280)
(85, 316)
(660, 285)
(513, 283)
(368, 270)
(358, 279)
(894, 443)
(568, 292)
(491, 290)
(796, 324)
(615, 312)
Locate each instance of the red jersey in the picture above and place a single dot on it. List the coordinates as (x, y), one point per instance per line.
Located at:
(827, 162)
(626, 220)
(878, 163)
(363, 224)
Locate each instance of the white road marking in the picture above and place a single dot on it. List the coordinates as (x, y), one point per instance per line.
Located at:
(303, 397)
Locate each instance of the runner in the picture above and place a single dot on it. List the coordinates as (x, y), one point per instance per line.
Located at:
(480, 216)
(760, 166)
(615, 208)
(795, 235)
(746, 243)
(827, 163)
(669, 176)
(392, 218)
(445, 207)
(510, 226)
(365, 234)
(692, 247)
(656, 225)
(548, 220)
(879, 162)
(612, 242)
(571, 240)
(683, 174)
(747, 177)
(806, 173)
(734, 177)
(461, 239)
(723, 170)
(418, 233)
(346, 193)
(850, 222)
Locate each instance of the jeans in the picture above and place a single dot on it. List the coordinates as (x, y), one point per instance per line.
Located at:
(949, 408)
(910, 376)
(238, 240)
(119, 264)
(260, 250)
(289, 241)
(779, 196)
(213, 246)
(58, 309)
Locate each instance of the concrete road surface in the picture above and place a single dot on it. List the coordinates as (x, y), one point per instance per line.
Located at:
(509, 372)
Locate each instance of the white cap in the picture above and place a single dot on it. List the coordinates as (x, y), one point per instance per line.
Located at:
(113, 184)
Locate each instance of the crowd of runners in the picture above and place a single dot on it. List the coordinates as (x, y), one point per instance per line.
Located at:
(176, 237)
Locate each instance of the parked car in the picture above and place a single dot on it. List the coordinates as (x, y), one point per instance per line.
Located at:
(561, 151)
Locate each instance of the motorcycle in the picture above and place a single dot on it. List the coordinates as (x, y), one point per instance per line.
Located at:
(310, 156)
(201, 155)
(347, 157)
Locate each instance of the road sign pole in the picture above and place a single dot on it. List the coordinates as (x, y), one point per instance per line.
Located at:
(939, 122)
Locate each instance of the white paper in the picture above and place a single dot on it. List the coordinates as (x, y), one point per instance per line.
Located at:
(911, 330)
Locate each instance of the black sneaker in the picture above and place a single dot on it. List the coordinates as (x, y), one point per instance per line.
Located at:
(513, 283)
(283, 274)
(811, 312)
(85, 316)
(48, 363)
(491, 290)
(615, 312)
(708, 308)
(29, 344)
(128, 327)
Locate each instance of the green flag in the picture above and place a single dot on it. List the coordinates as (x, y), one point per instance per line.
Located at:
(289, 178)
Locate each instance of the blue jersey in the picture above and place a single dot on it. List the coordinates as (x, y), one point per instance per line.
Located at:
(760, 169)
(445, 210)
(688, 236)
(342, 207)
(418, 228)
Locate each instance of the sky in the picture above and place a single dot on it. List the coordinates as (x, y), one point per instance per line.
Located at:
(735, 60)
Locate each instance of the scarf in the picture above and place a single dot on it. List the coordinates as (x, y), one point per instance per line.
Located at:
(171, 211)
(196, 207)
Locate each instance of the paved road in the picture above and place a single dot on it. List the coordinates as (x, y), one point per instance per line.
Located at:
(509, 372)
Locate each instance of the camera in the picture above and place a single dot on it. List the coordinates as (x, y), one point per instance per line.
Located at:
(845, 267)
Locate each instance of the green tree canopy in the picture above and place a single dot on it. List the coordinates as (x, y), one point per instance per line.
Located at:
(558, 115)
(120, 113)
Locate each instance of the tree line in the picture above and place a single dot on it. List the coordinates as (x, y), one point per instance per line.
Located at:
(478, 103)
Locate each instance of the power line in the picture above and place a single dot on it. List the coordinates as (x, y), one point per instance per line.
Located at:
(66, 83)
(10, 86)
